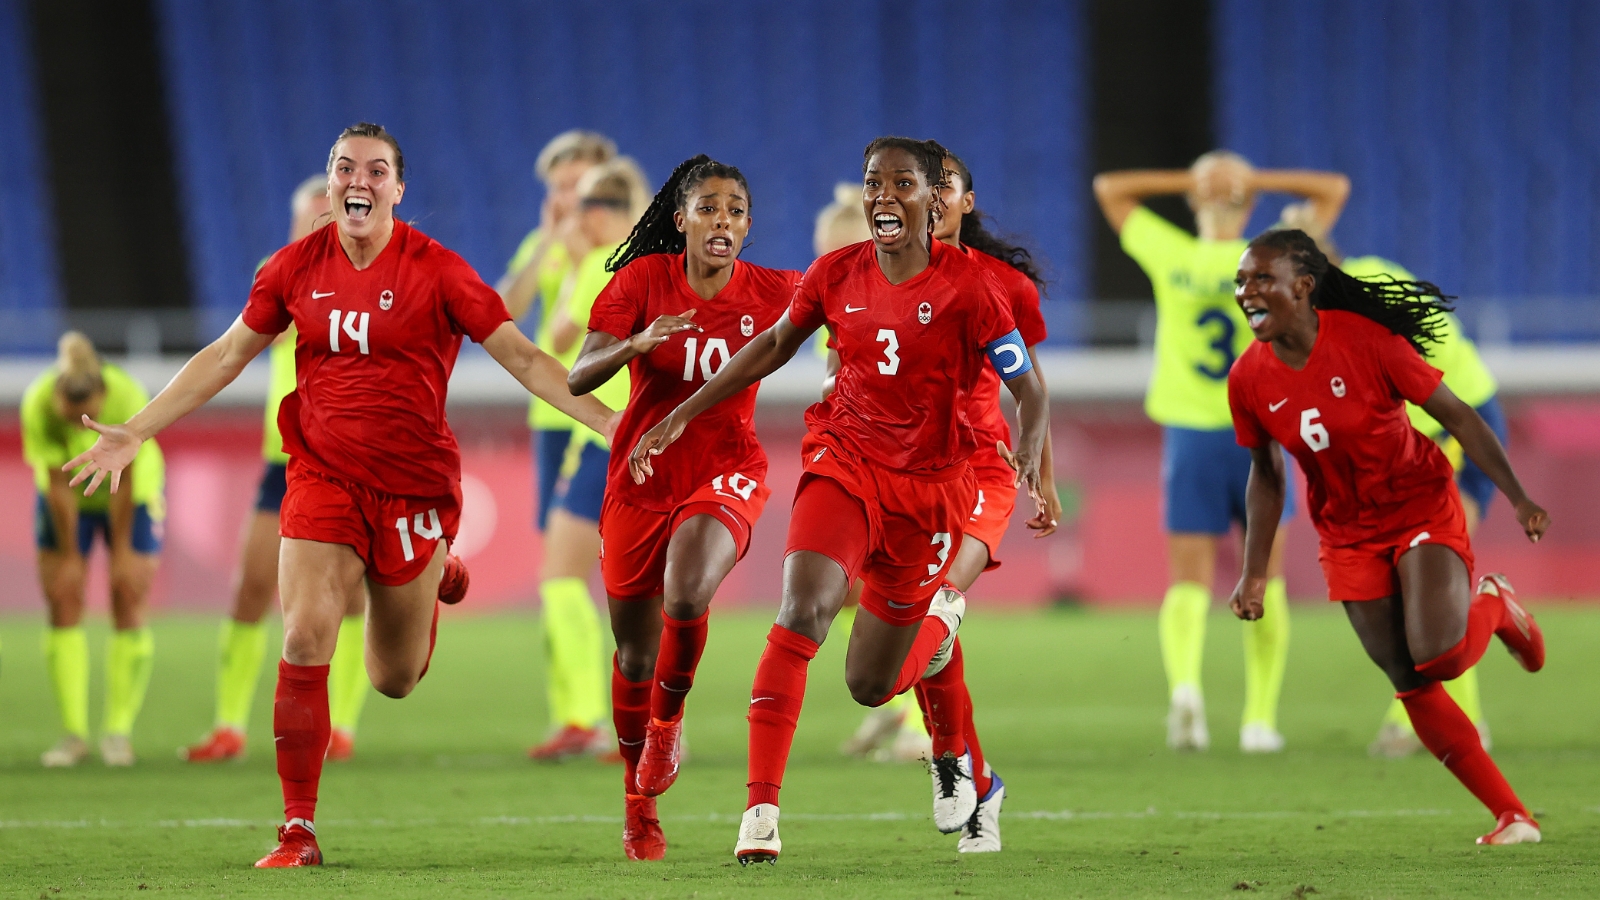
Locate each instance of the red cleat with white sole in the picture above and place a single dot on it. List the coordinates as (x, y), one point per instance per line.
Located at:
(568, 742)
(1513, 828)
(454, 581)
(221, 745)
(1521, 634)
(662, 754)
(642, 837)
(297, 846)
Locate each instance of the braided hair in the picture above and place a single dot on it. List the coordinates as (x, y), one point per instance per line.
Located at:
(1412, 309)
(928, 156)
(656, 232)
(976, 235)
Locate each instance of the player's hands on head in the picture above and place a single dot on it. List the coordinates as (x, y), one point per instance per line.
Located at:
(652, 443)
(662, 328)
(1533, 519)
(1249, 598)
(112, 452)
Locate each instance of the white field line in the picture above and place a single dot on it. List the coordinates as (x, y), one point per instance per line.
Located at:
(1064, 815)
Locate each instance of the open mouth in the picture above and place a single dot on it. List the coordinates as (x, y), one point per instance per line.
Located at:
(1255, 316)
(719, 246)
(357, 208)
(886, 227)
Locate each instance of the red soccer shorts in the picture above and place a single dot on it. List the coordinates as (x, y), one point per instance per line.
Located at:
(395, 536)
(896, 532)
(997, 500)
(633, 541)
(1366, 571)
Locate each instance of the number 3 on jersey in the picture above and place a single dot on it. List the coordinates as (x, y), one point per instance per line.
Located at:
(890, 353)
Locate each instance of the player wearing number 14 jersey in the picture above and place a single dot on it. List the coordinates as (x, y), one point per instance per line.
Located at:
(680, 306)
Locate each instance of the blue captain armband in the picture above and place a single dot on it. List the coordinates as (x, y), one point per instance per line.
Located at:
(1009, 356)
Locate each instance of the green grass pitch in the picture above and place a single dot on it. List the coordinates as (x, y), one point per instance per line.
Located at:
(440, 800)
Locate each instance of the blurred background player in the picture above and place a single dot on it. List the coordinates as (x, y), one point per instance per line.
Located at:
(1199, 333)
(680, 304)
(568, 503)
(65, 524)
(1470, 380)
(243, 642)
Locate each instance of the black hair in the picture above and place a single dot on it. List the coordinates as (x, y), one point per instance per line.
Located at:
(371, 130)
(976, 235)
(1412, 309)
(928, 156)
(656, 232)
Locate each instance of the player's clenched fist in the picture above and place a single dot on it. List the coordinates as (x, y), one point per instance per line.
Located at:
(1248, 598)
(1533, 519)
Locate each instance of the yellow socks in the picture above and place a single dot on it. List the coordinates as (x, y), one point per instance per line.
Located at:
(240, 649)
(575, 657)
(347, 675)
(128, 657)
(1266, 651)
(66, 656)
(1182, 625)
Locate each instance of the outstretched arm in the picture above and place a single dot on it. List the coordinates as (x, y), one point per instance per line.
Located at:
(765, 354)
(1119, 193)
(1263, 503)
(1484, 448)
(206, 373)
(546, 378)
(603, 355)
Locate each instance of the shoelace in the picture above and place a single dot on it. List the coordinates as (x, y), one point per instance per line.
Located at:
(974, 830)
(948, 770)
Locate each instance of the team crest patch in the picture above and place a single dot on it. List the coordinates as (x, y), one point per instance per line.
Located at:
(1338, 386)
(386, 300)
(925, 313)
(747, 326)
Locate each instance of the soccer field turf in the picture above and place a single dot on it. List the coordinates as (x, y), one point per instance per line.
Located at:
(440, 800)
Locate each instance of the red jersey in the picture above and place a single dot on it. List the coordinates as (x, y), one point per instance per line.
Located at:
(910, 355)
(1343, 417)
(722, 440)
(988, 422)
(373, 356)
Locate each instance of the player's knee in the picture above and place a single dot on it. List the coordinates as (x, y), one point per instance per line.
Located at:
(304, 646)
(871, 689)
(688, 601)
(636, 660)
(395, 685)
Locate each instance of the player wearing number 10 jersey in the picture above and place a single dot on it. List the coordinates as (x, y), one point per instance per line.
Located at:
(680, 306)
(1336, 359)
(887, 488)
(374, 472)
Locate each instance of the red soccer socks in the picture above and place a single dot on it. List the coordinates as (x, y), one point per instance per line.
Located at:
(775, 700)
(630, 713)
(300, 726)
(682, 642)
(944, 697)
(1494, 611)
(1449, 735)
(932, 633)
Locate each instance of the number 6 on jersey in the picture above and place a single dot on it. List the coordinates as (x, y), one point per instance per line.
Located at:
(1314, 433)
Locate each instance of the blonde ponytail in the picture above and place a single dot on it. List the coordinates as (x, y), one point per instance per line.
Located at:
(79, 368)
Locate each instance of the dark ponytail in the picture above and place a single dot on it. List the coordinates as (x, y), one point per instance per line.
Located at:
(656, 232)
(976, 235)
(1412, 309)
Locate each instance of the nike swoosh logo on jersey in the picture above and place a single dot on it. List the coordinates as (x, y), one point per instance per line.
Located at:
(1273, 407)
(850, 309)
(318, 296)
(894, 605)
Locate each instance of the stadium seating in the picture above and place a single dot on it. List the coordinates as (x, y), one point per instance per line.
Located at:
(30, 299)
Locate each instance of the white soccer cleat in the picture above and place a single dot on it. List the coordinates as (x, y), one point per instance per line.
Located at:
(949, 605)
(955, 796)
(1513, 828)
(758, 835)
(982, 831)
(1186, 720)
(68, 752)
(877, 728)
(116, 750)
(1258, 737)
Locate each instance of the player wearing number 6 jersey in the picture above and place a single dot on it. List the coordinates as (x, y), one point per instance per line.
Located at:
(886, 489)
(680, 306)
(1199, 333)
(1335, 362)
(374, 471)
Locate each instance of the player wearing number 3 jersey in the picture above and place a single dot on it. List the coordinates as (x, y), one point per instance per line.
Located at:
(680, 306)
(887, 488)
(1336, 360)
(374, 472)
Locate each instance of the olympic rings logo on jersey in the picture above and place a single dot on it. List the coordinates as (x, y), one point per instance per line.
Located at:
(1338, 386)
(747, 326)
(925, 312)
(386, 300)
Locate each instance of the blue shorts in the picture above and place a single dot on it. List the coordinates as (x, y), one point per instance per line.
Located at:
(1473, 481)
(274, 484)
(1203, 480)
(583, 493)
(146, 531)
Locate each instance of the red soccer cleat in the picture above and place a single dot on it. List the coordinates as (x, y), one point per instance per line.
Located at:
(641, 830)
(453, 583)
(297, 846)
(1521, 636)
(220, 745)
(662, 754)
(1513, 828)
(570, 741)
(341, 745)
